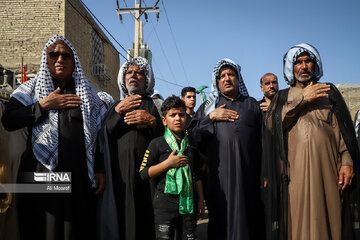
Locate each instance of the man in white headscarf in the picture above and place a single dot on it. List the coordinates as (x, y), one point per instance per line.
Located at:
(106, 98)
(311, 156)
(63, 116)
(227, 128)
(157, 95)
(129, 127)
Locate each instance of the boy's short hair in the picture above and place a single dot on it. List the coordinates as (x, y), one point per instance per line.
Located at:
(172, 102)
(186, 90)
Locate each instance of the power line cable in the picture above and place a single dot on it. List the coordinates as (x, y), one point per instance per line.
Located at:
(120, 18)
(162, 50)
(127, 32)
(152, 30)
(161, 75)
(129, 11)
(161, 79)
(175, 84)
(174, 39)
(93, 15)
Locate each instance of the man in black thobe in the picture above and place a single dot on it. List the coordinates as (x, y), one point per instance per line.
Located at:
(228, 129)
(63, 116)
(129, 127)
(188, 95)
(269, 86)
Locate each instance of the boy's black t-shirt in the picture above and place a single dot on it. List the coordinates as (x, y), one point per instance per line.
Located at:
(157, 152)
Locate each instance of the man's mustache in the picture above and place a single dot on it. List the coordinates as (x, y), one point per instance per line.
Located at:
(131, 80)
(228, 83)
(305, 71)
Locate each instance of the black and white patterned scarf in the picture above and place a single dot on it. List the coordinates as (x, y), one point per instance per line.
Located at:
(290, 58)
(45, 135)
(215, 92)
(357, 125)
(106, 98)
(144, 66)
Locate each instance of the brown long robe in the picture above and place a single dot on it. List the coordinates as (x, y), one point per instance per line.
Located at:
(316, 153)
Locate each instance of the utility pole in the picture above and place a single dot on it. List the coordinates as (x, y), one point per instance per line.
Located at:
(137, 12)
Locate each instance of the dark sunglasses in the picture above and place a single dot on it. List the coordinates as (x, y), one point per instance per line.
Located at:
(64, 55)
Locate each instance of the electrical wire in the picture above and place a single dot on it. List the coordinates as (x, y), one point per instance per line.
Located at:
(93, 15)
(175, 84)
(129, 11)
(174, 39)
(161, 79)
(152, 30)
(155, 64)
(162, 50)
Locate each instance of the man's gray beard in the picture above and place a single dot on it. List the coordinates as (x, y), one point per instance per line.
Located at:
(304, 79)
(132, 89)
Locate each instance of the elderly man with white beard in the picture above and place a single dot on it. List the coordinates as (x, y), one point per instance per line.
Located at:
(311, 156)
(129, 127)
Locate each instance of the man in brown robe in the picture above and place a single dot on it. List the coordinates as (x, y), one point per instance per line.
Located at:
(315, 150)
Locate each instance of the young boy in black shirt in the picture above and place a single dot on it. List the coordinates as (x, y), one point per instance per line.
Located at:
(169, 162)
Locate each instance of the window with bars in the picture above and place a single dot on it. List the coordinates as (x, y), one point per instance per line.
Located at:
(98, 67)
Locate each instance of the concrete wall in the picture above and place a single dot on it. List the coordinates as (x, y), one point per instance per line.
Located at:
(351, 94)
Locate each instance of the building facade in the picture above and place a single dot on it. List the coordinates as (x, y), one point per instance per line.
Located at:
(26, 26)
(351, 94)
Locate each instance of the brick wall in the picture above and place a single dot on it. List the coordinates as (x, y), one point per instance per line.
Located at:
(78, 28)
(112, 61)
(351, 94)
(25, 27)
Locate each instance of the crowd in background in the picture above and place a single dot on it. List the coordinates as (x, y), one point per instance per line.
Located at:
(284, 167)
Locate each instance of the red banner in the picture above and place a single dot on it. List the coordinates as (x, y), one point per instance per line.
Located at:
(24, 75)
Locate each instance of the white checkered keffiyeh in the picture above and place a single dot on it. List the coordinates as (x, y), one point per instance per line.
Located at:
(45, 135)
(144, 66)
(290, 58)
(357, 125)
(105, 97)
(215, 92)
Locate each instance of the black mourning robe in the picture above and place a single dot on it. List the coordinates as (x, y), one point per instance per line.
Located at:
(260, 102)
(8, 164)
(233, 150)
(55, 215)
(133, 197)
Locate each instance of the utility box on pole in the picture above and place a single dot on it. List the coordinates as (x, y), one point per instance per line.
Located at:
(144, 52)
